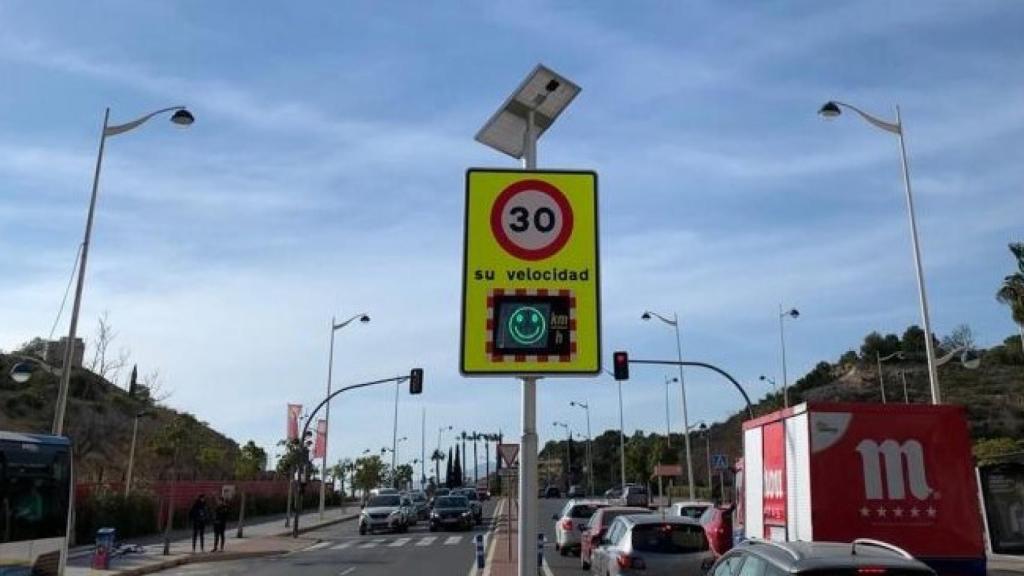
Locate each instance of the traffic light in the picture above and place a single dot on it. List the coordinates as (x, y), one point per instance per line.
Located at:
(416, 381)
(621, 364)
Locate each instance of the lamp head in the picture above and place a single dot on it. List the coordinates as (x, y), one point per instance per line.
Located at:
(183, 118)
(793, 313)
(645, 316)
(364, 318)
(21, 372)
(829, 110)
(702, 427)
(761, 378)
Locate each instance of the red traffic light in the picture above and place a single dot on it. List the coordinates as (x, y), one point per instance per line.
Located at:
(620, 360)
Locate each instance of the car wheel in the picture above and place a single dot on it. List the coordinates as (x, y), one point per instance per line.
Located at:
(584, 565)
(556, 546)
(433, 528)
(362, 530)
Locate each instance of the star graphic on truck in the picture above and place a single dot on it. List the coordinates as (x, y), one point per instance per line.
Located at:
(865, 512)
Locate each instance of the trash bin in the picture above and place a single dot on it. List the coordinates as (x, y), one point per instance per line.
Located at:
(104, 545)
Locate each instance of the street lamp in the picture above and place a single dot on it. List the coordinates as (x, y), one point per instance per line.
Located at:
(706, 432)
(590, 440)
(335, 326)
(668, 422)
(181, 117)
(440, 431)
(771, 381)
(794, 314)
(881, 378)
(568, 453)
(832, 109)
(131, 452)
(674, 323)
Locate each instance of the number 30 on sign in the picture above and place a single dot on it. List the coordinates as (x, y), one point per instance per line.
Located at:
(530, 276)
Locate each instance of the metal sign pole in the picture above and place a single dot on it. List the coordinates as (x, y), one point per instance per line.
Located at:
(528, 443)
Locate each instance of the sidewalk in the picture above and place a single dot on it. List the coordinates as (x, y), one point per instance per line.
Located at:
(502, 555)
(264, 537)
(1005, 563)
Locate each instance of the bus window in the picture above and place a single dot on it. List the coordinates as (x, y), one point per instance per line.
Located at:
(34, 487)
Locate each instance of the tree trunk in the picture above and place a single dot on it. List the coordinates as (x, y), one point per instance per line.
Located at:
(241, 516)
(170, 521)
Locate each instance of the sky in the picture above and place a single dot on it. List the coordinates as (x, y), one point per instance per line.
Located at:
(324, 176)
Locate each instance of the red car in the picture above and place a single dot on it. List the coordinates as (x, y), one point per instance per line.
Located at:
(597, 526)
(717, 523)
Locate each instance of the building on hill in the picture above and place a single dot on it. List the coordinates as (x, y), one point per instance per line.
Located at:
(53, 354)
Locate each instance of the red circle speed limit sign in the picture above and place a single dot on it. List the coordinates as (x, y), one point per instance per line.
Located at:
(531, 219)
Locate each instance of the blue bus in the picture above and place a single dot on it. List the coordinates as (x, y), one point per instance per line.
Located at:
(35, 499)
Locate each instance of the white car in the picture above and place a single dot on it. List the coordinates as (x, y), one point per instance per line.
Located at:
(571, 522)
(652, 545)
(691, 508)
(385, 512)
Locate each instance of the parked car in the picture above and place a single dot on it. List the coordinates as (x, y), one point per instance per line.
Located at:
(613, 493)
(634, 495)
(483, 494)
(691, 508)
(805, 558)
(576, 491)
(597, 526)
(474, 503)
(451, 512)
(571, 522)
(384, 512)
(551, 492)
(438, 492)
(653, 545)
(717, 523)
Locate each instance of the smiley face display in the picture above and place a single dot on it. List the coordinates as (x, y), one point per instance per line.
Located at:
(527, 326)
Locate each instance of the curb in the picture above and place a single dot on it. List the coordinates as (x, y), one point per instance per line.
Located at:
(318, 526)
(198, 559)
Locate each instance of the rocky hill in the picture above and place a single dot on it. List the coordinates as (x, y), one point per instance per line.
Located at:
(99, 421)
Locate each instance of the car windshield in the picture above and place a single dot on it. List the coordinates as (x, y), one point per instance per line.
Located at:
(452, 502)
(383, 501)
(668, 538)
(470, 495)
(694, 512)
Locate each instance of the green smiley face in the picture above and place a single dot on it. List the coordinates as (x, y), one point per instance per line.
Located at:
(527, 326)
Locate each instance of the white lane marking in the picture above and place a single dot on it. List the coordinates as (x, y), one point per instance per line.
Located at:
(452, 540)
(374, 543)
(318, 546)
(347, 571)
(426, 541)
(343, 545)
(544, 566)
(399, 542)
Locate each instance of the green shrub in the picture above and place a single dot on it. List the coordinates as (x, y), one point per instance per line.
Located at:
(132, 516)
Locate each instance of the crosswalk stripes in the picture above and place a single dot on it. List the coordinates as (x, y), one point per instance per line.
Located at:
(401, 542)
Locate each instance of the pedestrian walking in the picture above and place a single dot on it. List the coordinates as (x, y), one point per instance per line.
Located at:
(220, 523)
(198, 515)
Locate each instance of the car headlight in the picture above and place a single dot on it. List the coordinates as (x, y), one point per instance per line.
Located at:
(395, 513)
(467, 513)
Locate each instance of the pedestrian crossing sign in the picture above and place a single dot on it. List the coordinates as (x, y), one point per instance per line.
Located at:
(719, 462)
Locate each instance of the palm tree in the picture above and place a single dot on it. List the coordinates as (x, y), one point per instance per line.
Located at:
(1011, 292)
(437, 456)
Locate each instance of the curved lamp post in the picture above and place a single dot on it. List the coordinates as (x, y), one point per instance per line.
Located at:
(335, 326)
(180, 117)
(832, 109)
(674, 323)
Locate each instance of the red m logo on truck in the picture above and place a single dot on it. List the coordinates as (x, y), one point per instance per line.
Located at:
(894, 455)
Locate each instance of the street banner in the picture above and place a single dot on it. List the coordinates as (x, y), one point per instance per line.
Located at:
(294, 410)
(320, 448)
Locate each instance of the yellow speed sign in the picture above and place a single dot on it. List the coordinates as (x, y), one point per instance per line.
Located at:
(530, 278)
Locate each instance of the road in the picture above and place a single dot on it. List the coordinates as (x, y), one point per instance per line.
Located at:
(343, 552)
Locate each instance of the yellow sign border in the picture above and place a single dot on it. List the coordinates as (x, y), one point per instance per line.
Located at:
(596, 283)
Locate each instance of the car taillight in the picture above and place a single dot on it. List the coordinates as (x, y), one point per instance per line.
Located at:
(567, 524)
(870, 571)
(634, 562)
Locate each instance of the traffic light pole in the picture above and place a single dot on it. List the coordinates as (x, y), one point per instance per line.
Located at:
(305, 430)
(712, 367)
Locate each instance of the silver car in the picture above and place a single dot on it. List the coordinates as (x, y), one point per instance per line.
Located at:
(385, 512)
(652, 545)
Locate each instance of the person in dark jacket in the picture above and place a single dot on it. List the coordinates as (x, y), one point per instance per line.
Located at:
(198, 515)
(220, 523)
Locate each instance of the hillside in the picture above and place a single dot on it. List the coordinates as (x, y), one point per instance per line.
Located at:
(99, 422)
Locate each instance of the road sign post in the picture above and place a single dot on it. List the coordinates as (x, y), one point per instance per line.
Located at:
(530, 279)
